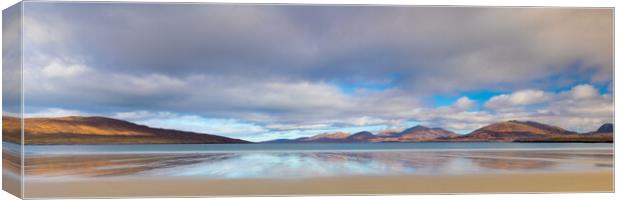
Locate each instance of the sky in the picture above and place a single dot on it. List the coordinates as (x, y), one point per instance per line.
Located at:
(261, 72)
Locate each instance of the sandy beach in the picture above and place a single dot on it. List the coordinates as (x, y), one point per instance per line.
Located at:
(278, 173)
(601, 181)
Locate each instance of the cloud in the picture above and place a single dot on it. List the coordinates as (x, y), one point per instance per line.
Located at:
(284, 69)
(219, 126)
(519, 98)
(57, 69)
(11, 60)
(583, 91)
(294, 104)
(464, 103)
(54, 112)
(450, 49)
(577, 109)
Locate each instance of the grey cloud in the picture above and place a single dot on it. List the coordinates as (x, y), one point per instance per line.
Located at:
(449, 48)
(11, 59)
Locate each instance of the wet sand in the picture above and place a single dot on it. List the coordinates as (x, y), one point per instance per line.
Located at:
(598, 181)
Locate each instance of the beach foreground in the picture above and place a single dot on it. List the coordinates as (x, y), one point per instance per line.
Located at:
(600, 181)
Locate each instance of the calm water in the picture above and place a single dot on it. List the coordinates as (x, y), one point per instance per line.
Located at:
(316, 147)
(286, 161)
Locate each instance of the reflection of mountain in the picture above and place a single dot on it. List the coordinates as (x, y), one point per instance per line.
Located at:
(283, 164)
(99, 130)
(222, 165)
(389, 162)
(112, 165)
(511, 164)
(11, 161)
(508, 131)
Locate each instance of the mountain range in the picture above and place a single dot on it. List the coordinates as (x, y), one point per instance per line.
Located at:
(508, 131)
(103, 130)
(413, 134)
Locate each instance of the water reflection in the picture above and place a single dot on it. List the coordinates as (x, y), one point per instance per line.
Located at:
(312, 164)
(512, 164)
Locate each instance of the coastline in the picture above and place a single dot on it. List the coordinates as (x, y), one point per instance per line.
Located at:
(578, 181)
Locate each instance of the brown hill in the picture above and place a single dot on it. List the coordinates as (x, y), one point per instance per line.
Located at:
(388, 133)
(326, 137)
(422, 133)
(513, 130)
(100, 130)
(604, 134)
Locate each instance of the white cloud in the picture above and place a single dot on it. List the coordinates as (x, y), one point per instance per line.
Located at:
(57, 69)
(142, 115)
(40, 31)
(584, 91)
(218, 126)
(54, 112)
(464, 103)
(518, 98)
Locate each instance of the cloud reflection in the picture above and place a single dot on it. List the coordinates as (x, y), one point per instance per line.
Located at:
(285, 165)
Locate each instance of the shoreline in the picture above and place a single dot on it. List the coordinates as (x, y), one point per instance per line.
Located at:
(589, 181)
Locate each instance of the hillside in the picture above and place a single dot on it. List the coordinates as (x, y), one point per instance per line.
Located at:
(509, 131)
(326, 137)
(363, 136)
(421, 133)
(605, 128)
(100, 130)
(603, 134)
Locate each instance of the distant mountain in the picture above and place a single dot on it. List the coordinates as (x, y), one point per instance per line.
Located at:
(413, 134)
(326, 137)
(320, 138)
(606, 128)
(422, 133)
(100, 130)
(605, 133)
(388, 133)
(281, 141)
(363, 136)
(509, 131)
